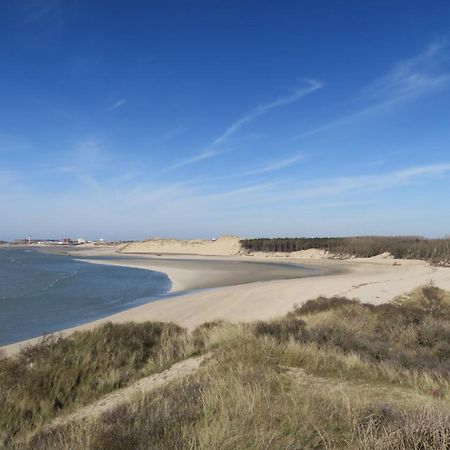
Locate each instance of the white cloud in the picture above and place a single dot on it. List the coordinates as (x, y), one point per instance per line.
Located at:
(173, 133)
(413, 76)
(195, 158)
(313, 85)
(284, 191)
(271, 166)
(211, 151)
(381, 181)
(407, 80)
(118, 104)
(82, 176)
(129, 210)
(276, 165)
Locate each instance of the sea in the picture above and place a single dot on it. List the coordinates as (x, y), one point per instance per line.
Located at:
(43, 293)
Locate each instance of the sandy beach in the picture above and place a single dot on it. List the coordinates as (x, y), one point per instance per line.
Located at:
(243, 295)
(191, 272)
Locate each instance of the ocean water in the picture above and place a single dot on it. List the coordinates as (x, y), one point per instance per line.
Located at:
(42, 293)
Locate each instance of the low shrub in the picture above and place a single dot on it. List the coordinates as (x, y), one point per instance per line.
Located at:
(413, 332)
(283, 329)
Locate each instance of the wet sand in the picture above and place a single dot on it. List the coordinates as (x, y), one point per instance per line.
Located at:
(189, 272)
(251, 290)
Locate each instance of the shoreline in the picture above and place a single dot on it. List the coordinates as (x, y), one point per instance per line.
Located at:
(191, 272)
(187, 275)
(371, 280)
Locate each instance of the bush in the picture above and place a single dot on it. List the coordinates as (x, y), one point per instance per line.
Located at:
(321, 304)
(413, 332)
(282, 330)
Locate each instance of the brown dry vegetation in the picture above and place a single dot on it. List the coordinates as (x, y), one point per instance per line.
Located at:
(60, 374)
(334, 373)
(402, 247)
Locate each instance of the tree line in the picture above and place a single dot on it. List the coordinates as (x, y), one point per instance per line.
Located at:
(402, 247)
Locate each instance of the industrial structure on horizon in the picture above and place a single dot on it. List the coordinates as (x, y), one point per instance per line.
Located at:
(64, 241)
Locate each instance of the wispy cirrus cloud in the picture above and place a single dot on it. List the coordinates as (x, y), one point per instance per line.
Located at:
(82, 176)
(213, 148)
(408, 79)
(286, 191)
(246, 190)
(86, 161)
(89, 152)
(195, 158)
(411, 77)
(313, 85)
(271, 166)
(149, 207)
(335, 191)
(277, 165)
(380, 181)
(173, 133)
(118, 104)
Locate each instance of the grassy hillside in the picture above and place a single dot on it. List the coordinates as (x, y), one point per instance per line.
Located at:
(411, 247)
(61, 374)
(334, 373)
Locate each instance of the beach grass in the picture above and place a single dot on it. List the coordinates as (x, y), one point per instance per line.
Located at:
(60, 374)
(334, 373)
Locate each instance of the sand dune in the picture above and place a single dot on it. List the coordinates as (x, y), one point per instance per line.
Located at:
(223, 246)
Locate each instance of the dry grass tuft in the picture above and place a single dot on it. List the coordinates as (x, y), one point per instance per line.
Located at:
(59, 374)
(333, 374)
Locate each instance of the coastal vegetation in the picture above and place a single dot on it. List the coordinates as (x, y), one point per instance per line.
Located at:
(333, 373)
(402, 247)
(62, 373)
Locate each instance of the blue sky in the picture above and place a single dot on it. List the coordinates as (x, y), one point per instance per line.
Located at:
(124, 120)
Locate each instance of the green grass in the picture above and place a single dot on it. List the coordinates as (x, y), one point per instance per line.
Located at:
(333, 374)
